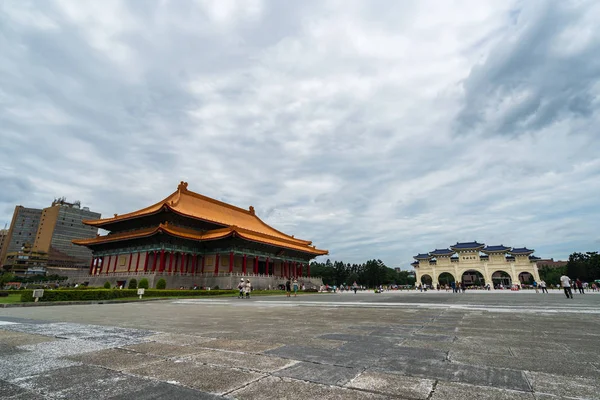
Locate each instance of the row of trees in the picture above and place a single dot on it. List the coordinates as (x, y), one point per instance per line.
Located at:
(585, 266)
(370, 273)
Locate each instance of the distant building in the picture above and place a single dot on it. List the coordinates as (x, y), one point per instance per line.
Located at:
(3, 236)
(50, 232)
(476, 264)
(22, 231)
(26, 262)
(59, 225)
(550, 263)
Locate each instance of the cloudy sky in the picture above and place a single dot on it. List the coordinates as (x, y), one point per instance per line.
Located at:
(377, 129)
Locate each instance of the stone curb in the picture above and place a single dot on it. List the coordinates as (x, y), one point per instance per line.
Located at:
(77, 303)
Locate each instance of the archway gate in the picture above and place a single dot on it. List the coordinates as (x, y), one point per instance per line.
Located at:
(485, 269)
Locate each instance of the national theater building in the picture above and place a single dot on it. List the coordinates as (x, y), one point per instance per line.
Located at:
(190, 239)
(473, 261)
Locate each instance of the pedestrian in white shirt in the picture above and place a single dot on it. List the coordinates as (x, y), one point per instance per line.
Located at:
(565, 282)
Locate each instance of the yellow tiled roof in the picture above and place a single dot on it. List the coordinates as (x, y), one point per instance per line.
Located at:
(202, 236)
(194, 205)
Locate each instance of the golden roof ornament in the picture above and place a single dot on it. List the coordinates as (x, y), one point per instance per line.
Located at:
(182, 186)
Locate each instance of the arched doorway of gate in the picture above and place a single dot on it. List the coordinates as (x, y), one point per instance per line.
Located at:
(501, 280)
(446, 278)
(526, 278)
(426, 280)
(473, 279)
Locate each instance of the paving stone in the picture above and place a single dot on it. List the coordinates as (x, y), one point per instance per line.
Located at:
(7, 350)
(181, 340)
(19, 339)
(256, 362)
(289, 389)
(75, 382)
(248, 346)
(394, 351)
(323, 356)
(163, 349)
(162, 390)
(476, 375)
(383, 340)
(557, 385)
(403, 386)
(543, 363)
(28, 363)
(319, 373)
(207, 378)
(8, 389)
(117, 359)
(458, 391)
(432, 338)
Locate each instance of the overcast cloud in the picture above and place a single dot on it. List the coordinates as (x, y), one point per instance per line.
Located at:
(376, 129)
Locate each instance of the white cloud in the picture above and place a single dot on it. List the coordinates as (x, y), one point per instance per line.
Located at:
(374, 129)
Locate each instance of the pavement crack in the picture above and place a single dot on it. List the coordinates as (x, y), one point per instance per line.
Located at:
(435, 383)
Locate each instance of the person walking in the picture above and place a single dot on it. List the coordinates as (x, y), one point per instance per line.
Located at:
(241, 286)
(295, 286)
(247, 288)
(565, 282)
(579, 285)
(535, 286)
(288, 288)
(543, 286)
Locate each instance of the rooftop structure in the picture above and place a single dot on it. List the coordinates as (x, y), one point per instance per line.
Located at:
(464, 259)
(189, 233)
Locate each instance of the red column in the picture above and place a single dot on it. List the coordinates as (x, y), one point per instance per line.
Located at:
(170, 261)
(217, 264)
(116, 262)
(244, 265)
(255, 265)
(267, 266)
(154, 260)
(146, 261)
(108, 264)
(183, 260)
(231, 262)
(137, 262)
(295, 268)
(301, 269)
(162, 261)
(194, 264)
(308, 270)
(203, 258)
(92, 265)
(129, 264)
(100, 265)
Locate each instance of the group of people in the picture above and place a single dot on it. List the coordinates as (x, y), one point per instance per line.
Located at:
(245, 287)
(291, 284)
(566, 283)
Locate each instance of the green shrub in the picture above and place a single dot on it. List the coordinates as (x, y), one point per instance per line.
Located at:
(132, 283)
(144, 284)
(107, 285)
(161, 284)
(105, 294)
(217, 287)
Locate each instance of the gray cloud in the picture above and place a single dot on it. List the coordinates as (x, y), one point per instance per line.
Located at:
(374, 129)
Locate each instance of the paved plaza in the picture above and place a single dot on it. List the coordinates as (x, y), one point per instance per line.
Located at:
(434, 345)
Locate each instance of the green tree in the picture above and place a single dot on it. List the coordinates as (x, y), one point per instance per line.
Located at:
(161, 284)
(552, 275)
(6, 277)
(132, 283)
(585, 266)
(143, 284)
(107, 285)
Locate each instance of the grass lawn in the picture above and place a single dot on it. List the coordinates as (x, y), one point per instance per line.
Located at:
(12, 298)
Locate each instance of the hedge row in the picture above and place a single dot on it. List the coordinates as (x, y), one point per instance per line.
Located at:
(109, 294)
